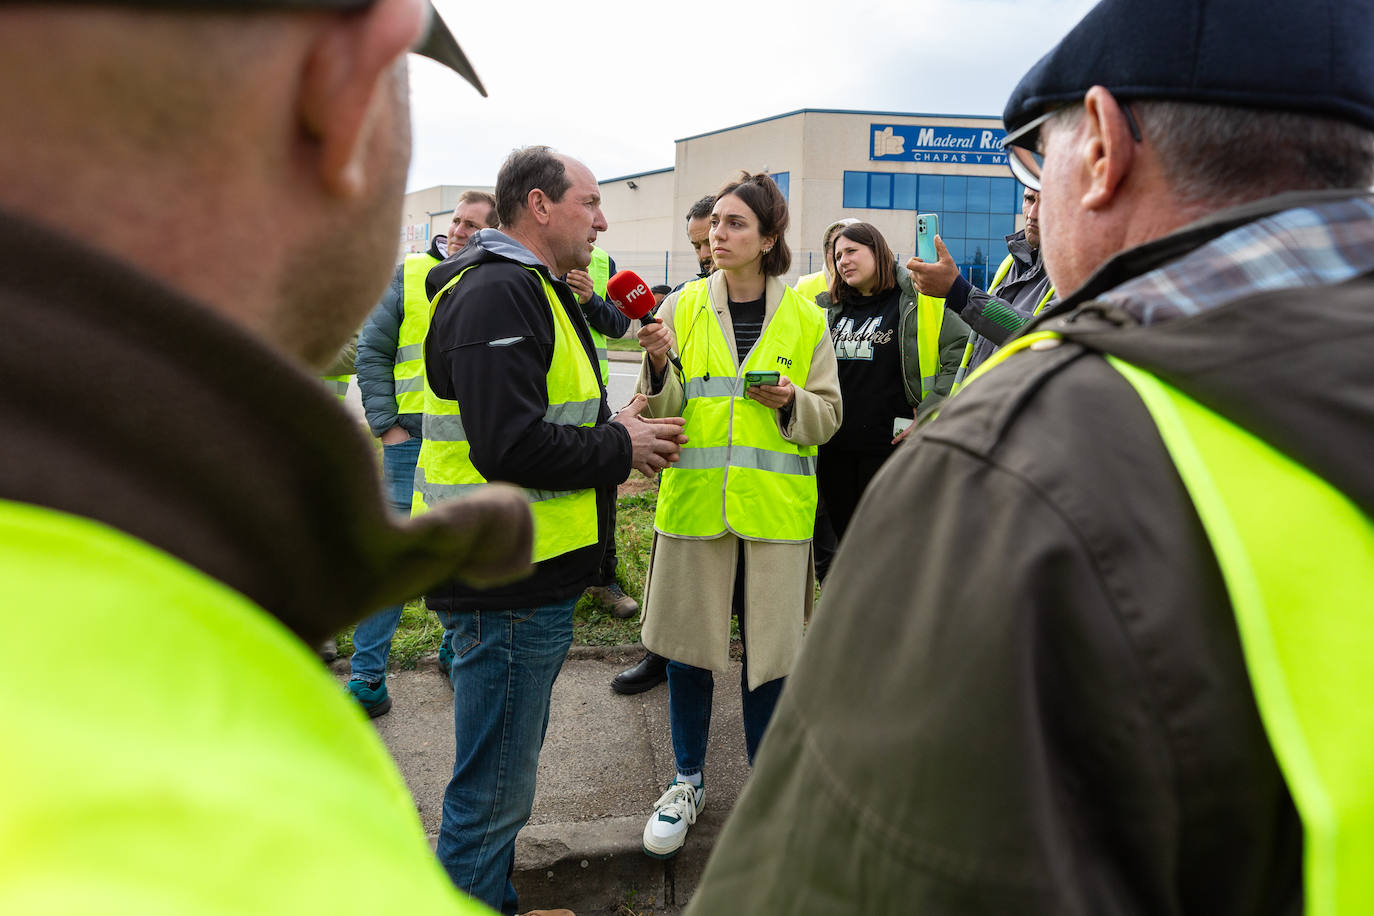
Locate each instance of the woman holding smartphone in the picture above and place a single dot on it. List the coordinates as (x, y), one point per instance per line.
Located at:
(734, 520)
(897, 352)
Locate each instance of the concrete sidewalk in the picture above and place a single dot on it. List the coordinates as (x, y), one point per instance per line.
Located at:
(606, 760)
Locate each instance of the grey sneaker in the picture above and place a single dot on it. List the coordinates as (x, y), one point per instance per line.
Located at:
(614, 600)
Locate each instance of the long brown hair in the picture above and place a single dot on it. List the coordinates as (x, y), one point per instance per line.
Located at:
(867, 235)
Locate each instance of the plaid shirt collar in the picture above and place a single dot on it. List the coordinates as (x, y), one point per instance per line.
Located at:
(1321, 244)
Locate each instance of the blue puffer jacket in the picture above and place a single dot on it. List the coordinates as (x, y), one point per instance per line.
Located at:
(376, 361)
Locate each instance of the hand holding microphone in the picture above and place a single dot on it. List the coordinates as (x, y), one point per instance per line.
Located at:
(632, 296)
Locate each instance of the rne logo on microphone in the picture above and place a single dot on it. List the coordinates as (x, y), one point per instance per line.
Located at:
(635, 293)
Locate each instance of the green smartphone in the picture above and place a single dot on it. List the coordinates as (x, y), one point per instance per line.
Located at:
(927, 227)
(760, 377)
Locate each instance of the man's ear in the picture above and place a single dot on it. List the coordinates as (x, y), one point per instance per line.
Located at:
(346, 71)
(537, 205)
(1108, 149)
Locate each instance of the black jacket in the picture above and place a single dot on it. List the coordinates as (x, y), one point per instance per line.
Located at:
(1024, 691)
(489, 347)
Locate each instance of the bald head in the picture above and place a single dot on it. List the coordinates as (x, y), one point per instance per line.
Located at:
(215, 141)
(551, 204)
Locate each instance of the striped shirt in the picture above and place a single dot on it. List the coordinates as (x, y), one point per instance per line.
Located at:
(747, 317)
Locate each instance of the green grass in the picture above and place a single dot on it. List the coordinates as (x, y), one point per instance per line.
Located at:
(419, 631)
(628, 344)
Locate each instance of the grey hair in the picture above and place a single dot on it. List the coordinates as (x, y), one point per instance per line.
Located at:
(1221, 155)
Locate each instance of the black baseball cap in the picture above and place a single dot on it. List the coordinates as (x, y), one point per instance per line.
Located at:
(1314, 57)
(437, 44)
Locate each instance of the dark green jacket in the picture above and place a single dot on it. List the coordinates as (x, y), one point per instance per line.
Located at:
(1025, 691)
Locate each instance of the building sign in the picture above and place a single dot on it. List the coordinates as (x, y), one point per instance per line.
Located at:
(917, 143)
(415, 232)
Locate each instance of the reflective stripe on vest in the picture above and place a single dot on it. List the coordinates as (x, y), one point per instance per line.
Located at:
(974, 337)
(930, 318)
(564, 520)
(1297, 557)
(409, 370)
(600, 272)
(336, 385)
(738, 473)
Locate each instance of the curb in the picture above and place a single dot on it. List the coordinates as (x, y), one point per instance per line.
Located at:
(599, 866)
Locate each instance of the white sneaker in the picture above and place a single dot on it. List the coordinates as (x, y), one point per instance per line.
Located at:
(675, 811)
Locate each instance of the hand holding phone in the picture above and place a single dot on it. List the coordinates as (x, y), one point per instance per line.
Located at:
(760, 377)
(769, 388)
(927, 227)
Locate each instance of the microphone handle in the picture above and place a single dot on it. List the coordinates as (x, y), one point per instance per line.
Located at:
(672, 354)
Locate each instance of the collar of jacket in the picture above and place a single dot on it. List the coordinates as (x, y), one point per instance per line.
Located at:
(1133, 262)
(1021, 250)
(131, 405)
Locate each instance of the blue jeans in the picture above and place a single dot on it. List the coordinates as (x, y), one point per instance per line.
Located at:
(689, 700)
(372, 636)
(504, 666)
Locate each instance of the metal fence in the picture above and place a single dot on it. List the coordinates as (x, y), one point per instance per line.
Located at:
(672, 267)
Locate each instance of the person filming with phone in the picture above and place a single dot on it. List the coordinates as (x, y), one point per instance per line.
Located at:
(732, 535)
(897, 353)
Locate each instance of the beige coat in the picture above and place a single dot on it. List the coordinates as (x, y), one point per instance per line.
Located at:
(690, 581)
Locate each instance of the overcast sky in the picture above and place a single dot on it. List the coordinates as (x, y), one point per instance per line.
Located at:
(616, 82)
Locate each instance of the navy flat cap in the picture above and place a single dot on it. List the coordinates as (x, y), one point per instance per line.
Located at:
(1314, 57)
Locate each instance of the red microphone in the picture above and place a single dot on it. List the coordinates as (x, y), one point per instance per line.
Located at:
(633, 297)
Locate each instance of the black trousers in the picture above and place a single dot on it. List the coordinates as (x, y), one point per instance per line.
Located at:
(842, 477)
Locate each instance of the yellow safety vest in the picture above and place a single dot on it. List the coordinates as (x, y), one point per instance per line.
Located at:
(737, 472)
(930, 320)
(812, 285)
(973, 338)
(564, 520)
(197, 763)
(1297, 557)
(409, 369)
(337, 385)
(600, 272)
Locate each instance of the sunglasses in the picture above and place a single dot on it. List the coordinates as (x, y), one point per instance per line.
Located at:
(1022, 145)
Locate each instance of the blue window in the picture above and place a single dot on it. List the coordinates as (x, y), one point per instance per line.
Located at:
(977, 224)
(952, 225)
(956, 192)
(784, 182)
(880, 191)
(979, 194)
(855, 190)
(932, 194)
(903, 192)
(1006, 195)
